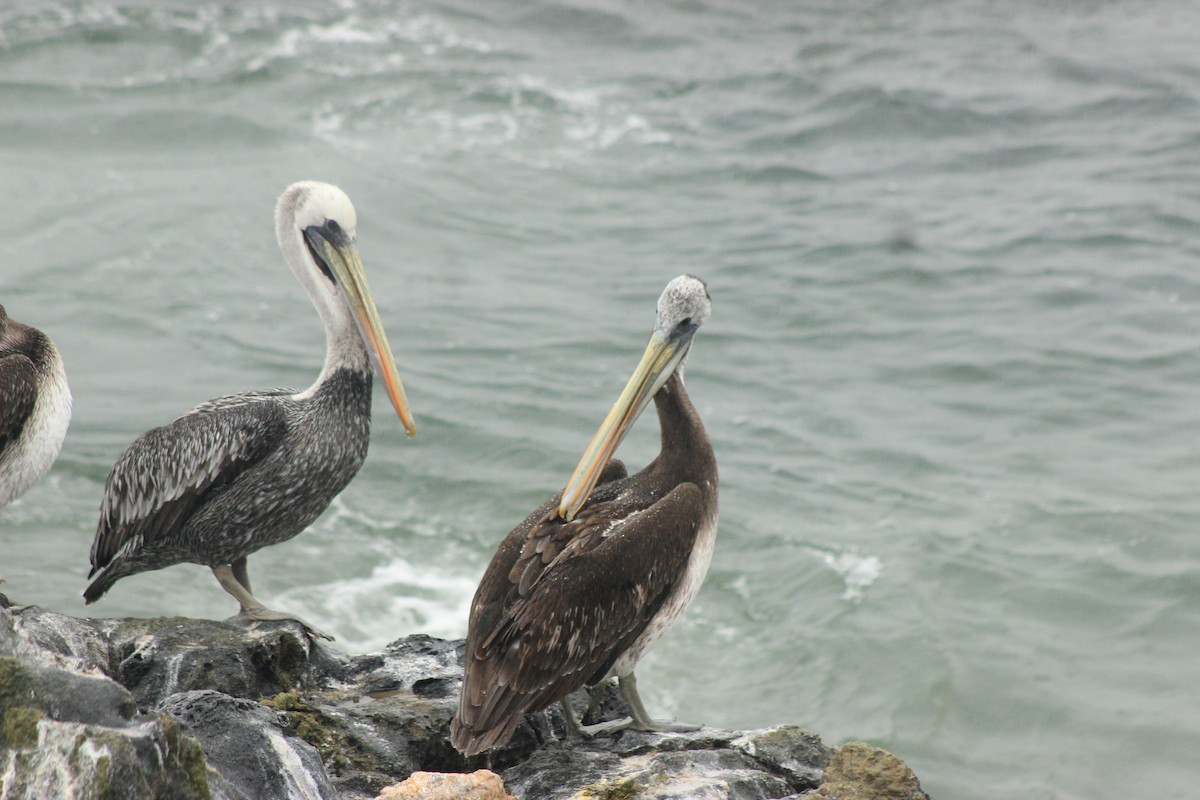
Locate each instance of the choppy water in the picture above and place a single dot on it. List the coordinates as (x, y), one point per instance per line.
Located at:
(952, 373)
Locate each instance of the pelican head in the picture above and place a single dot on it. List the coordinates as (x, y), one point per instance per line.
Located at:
(682, 308)
(317, 227)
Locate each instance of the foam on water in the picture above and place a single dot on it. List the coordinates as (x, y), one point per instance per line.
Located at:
(858, 572)
(396, 599)
(552, 124)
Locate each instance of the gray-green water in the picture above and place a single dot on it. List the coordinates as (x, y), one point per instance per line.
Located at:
(952, 373)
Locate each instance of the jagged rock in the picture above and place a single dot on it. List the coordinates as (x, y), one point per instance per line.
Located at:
(382, 716)
(64, 734)
(789, 749)
(43, 637)
(157, 658)
(154, 658)
(256, 757)
(367, 744)
(482, 784)
(259, 710)
(702, 764)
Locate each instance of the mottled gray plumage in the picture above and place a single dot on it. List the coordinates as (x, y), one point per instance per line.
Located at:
(246, 471)
(230, 477)
(35, 406)
(568, 603)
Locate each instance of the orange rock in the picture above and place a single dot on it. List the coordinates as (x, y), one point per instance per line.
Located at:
(479, 785)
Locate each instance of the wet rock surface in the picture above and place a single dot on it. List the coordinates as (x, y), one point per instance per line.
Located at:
(67, 734)
(184, 708)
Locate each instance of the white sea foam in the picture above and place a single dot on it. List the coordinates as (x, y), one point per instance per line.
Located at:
(434, 35)
(592, 117)
(394, 600)
(350, 30)
(857, 572)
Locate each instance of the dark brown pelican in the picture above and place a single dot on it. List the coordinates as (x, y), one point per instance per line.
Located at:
(242, 472)
(35, 406)
(591, 580)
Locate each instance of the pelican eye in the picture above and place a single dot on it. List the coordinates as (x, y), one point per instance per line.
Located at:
(336, 234)
(314, 240)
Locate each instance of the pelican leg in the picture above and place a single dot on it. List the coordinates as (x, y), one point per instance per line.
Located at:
(251, 608)
(241, 573)
(641, 720)
(588, 731)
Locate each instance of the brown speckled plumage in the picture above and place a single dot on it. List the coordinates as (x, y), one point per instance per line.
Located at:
(563, 604)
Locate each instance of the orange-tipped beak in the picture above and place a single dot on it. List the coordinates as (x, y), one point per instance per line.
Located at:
(346, 262)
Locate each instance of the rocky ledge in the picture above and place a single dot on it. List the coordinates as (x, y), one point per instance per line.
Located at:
(186, 708)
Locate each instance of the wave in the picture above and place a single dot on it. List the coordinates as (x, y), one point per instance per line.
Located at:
(134, 45)
(396, 599)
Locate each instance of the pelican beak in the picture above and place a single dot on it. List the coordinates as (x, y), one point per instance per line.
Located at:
(347, 266)
(662, 356)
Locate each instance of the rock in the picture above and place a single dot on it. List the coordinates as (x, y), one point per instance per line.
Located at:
(44, 637)
(154, 659)
(702, 764)
(241, 711)
(789, 749)
(482, 784)
(249, 742)
(859, 771)
(65, 734)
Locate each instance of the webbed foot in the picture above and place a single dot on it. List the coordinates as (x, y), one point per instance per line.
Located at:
(575, 728)
(228, 576)
(268, 615)
(663, 726)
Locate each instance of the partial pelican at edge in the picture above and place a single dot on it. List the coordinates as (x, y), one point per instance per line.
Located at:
(35, 406)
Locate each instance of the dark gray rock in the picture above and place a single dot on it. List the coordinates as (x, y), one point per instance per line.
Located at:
(381, 715)
(259, 710)
(708, 763)
(44, 637)
(157, 658)
(65, 734)
(64, 695)
(250, 745)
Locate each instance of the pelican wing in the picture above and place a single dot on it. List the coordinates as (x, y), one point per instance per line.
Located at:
(608, 573)
(18, 380)
(497, 592)
(168, 472)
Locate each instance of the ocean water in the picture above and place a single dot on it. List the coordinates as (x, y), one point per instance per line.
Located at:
(951, 376)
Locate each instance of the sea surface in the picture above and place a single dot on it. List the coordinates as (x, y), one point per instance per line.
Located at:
(952, 374)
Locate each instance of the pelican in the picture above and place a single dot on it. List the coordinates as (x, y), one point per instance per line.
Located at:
(35, 406)
(593, 578)
(238, 473)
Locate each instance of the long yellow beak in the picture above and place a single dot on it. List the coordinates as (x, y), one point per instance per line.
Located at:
(658, 362)
(348, 267)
